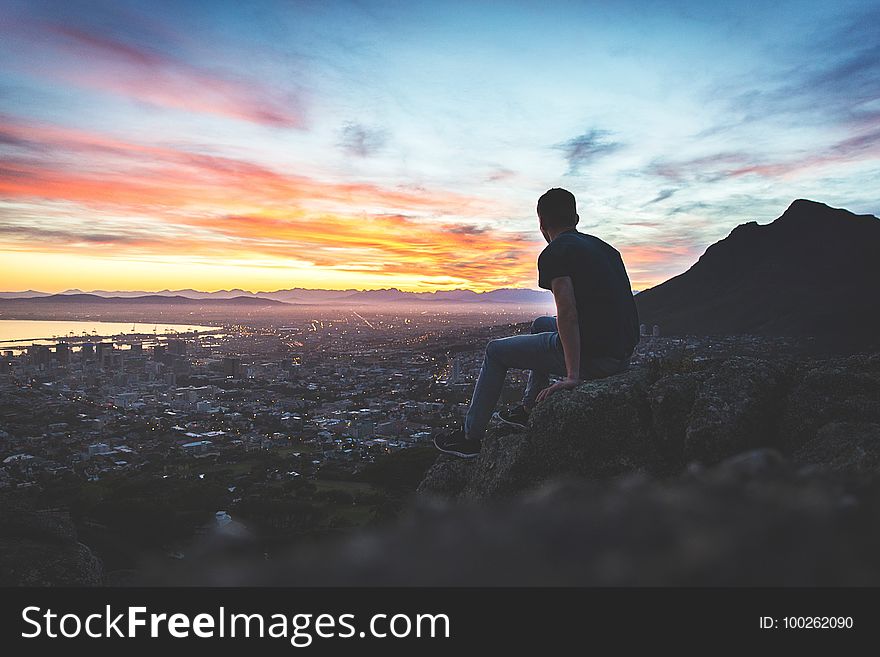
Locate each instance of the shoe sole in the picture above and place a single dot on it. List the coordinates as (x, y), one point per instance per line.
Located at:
(455, 453)
(509, 423)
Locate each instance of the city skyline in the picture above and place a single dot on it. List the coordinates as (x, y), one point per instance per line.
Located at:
(151, 146)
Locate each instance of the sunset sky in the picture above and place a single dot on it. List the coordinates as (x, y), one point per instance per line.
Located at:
(266, 145)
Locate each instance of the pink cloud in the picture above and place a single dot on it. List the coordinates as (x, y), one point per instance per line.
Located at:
(97, 61)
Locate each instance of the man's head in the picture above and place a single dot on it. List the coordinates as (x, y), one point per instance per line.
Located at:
(557, 211)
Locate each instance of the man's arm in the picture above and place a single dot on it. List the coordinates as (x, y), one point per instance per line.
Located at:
(569, 333)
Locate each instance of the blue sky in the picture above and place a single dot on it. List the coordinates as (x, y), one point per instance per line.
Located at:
(370, 144)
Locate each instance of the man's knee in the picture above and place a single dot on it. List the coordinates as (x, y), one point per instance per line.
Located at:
(493, 349)
(544, 325)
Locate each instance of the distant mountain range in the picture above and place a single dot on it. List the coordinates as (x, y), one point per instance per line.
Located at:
(291, 296)
(82, 298)
(814, 271)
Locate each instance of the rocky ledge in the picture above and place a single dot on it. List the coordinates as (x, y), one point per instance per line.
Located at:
(821, 415)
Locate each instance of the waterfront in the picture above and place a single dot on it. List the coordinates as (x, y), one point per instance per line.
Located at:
(14, 331)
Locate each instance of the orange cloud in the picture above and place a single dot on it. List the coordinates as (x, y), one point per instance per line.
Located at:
(196, 204)
(391, 244)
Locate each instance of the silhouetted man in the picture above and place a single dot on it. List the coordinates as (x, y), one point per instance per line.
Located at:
(592, 336)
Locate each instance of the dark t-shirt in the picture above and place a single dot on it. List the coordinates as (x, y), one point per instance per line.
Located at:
(607, 315)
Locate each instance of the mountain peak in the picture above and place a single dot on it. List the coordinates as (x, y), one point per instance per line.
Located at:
(805, 204)
(805, 210)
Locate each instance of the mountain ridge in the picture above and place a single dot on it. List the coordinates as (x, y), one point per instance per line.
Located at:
(144, 299)
(812, 272)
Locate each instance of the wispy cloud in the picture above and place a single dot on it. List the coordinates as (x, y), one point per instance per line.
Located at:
(865, 146)
(108, 63)
(362, 141)
(831, 78)
(861, 146)
(662, 196)
(32, 235)
(49, 166)
(583, 149)
(706, 168)
(500, 173)
(844, 83)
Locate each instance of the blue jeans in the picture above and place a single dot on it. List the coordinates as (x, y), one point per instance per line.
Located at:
(540, 353)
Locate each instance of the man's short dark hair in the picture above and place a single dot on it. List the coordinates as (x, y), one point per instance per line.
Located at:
(557, 208)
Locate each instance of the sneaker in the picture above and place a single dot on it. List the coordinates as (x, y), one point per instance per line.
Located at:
(516, 416)
(457, 444)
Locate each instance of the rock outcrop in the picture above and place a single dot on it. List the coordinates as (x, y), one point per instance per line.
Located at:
(657, 419)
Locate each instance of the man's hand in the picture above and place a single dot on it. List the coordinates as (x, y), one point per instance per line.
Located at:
(565, 384)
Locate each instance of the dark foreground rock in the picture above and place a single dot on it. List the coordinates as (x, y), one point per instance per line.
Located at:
(754, 519)
(41, 549)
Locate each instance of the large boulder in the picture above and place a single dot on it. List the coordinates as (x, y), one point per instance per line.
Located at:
(671, 399)
(737, 408)
(447, 477)
(506, 465)
(599, 429)
(837, 390)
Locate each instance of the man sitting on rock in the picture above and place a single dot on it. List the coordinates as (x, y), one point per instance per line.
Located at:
(592, 336)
